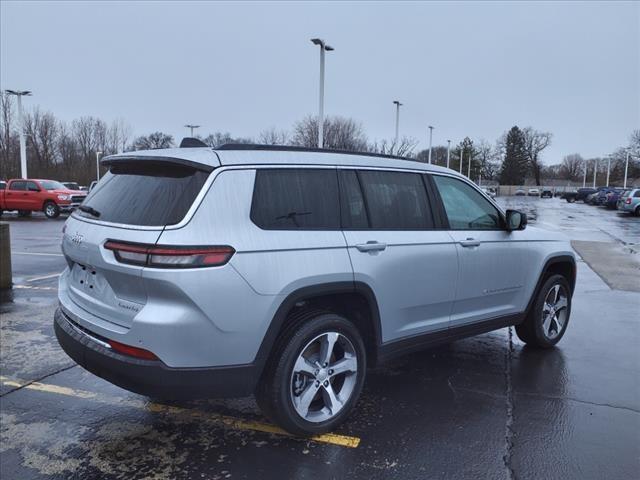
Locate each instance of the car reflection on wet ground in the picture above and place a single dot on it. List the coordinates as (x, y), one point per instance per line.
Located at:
(484, 407)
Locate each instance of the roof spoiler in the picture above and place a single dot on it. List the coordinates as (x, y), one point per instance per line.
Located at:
(124, 159)
(191, 142)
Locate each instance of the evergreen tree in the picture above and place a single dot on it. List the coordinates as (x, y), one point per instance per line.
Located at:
(515, 164)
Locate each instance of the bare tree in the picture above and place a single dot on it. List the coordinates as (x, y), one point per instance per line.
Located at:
(273, 136)
(572, 167)
(402, 148)
(118, 136)
(42, 130)
(534, 143)
(153, 141)
(9, 160)
(216, 139)
(339, 133)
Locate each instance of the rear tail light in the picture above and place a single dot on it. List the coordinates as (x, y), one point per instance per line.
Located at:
(132, 351)
(163, 256)
(628, 201)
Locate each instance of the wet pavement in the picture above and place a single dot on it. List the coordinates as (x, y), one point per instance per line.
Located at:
(484, 407)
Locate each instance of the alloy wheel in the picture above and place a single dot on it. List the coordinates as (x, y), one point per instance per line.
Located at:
(554, 311)
(324, 377)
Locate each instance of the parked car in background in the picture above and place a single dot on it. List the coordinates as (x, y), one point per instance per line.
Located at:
(3, 184)
(489, 191)
(287, 273)
(629, 202)
(611, 199)
(578, 195)
(534, 192)
(546, 193)
(600, 197)
(31, 195)
(72, 186)
(520, 192)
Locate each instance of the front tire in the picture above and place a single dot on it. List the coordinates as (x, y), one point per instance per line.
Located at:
(315, 374)
(51, 210)
(548, 319)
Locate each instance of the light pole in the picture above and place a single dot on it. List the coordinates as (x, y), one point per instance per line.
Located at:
(626, 169)
(323, 48)
(448, 152)
(595, 171)
(461, 157)
(23, 144)
(469, 168)
(584, 178)
(192, 128)
(98, 165)
(430, 142)
(608, 168)
(398, 105)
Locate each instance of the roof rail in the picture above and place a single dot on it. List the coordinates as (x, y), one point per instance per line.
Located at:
(292, 148)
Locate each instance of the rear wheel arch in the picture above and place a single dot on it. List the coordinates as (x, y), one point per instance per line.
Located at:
(353, 300)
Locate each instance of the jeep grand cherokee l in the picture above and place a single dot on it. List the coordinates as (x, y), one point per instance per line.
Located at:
(285, 273)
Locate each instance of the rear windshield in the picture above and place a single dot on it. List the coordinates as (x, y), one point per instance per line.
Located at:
(144, 193)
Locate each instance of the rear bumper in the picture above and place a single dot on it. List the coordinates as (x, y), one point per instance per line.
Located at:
(147, 377)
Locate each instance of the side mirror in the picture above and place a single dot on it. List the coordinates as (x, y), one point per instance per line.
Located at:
(516, 220)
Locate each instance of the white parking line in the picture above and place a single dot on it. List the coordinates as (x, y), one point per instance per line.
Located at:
(44, 277)
(13, 252)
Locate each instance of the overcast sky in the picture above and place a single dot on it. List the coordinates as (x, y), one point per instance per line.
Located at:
(471, 69)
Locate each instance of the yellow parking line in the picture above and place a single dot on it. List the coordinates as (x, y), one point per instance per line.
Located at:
(224, 420)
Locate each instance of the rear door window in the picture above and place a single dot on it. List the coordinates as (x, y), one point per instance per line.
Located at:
(296, 199)
(396, 200)
(145, 193)
(19, 185)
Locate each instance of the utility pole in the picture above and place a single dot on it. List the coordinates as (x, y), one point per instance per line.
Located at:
(398, 105)
(461, 157)
(469, 168)
(23, 143)
(430, 142)
(448, 152)
(626, 169)
(98, 165)
(584, 178)
(323, 47)
(595, 171)
(192, 128)
(608, 169)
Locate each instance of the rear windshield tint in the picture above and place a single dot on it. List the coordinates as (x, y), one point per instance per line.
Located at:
(146, 194)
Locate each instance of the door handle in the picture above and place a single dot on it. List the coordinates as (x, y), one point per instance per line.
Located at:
(371, 246)
(470, 242)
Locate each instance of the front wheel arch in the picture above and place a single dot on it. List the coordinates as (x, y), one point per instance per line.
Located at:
(564, 265)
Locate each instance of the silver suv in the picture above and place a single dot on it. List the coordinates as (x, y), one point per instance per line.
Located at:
(286, 272)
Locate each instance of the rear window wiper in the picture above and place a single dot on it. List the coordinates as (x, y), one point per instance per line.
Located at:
(89, 210)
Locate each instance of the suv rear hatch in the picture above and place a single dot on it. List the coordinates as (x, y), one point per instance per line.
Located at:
(131, 205)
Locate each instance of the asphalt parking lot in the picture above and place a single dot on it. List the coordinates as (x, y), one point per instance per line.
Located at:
(484, 407)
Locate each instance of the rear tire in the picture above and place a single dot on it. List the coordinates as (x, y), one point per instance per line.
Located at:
(51, 210)
(299, 390)
(549, 316)
(571, 200)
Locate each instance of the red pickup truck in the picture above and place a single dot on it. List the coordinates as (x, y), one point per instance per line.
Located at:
(30, 195)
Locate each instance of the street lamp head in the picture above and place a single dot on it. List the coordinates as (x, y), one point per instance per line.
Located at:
(329, 48)
(317, 41)
(396, 102)
(431, 127)
(192, 126)
(18, 92)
